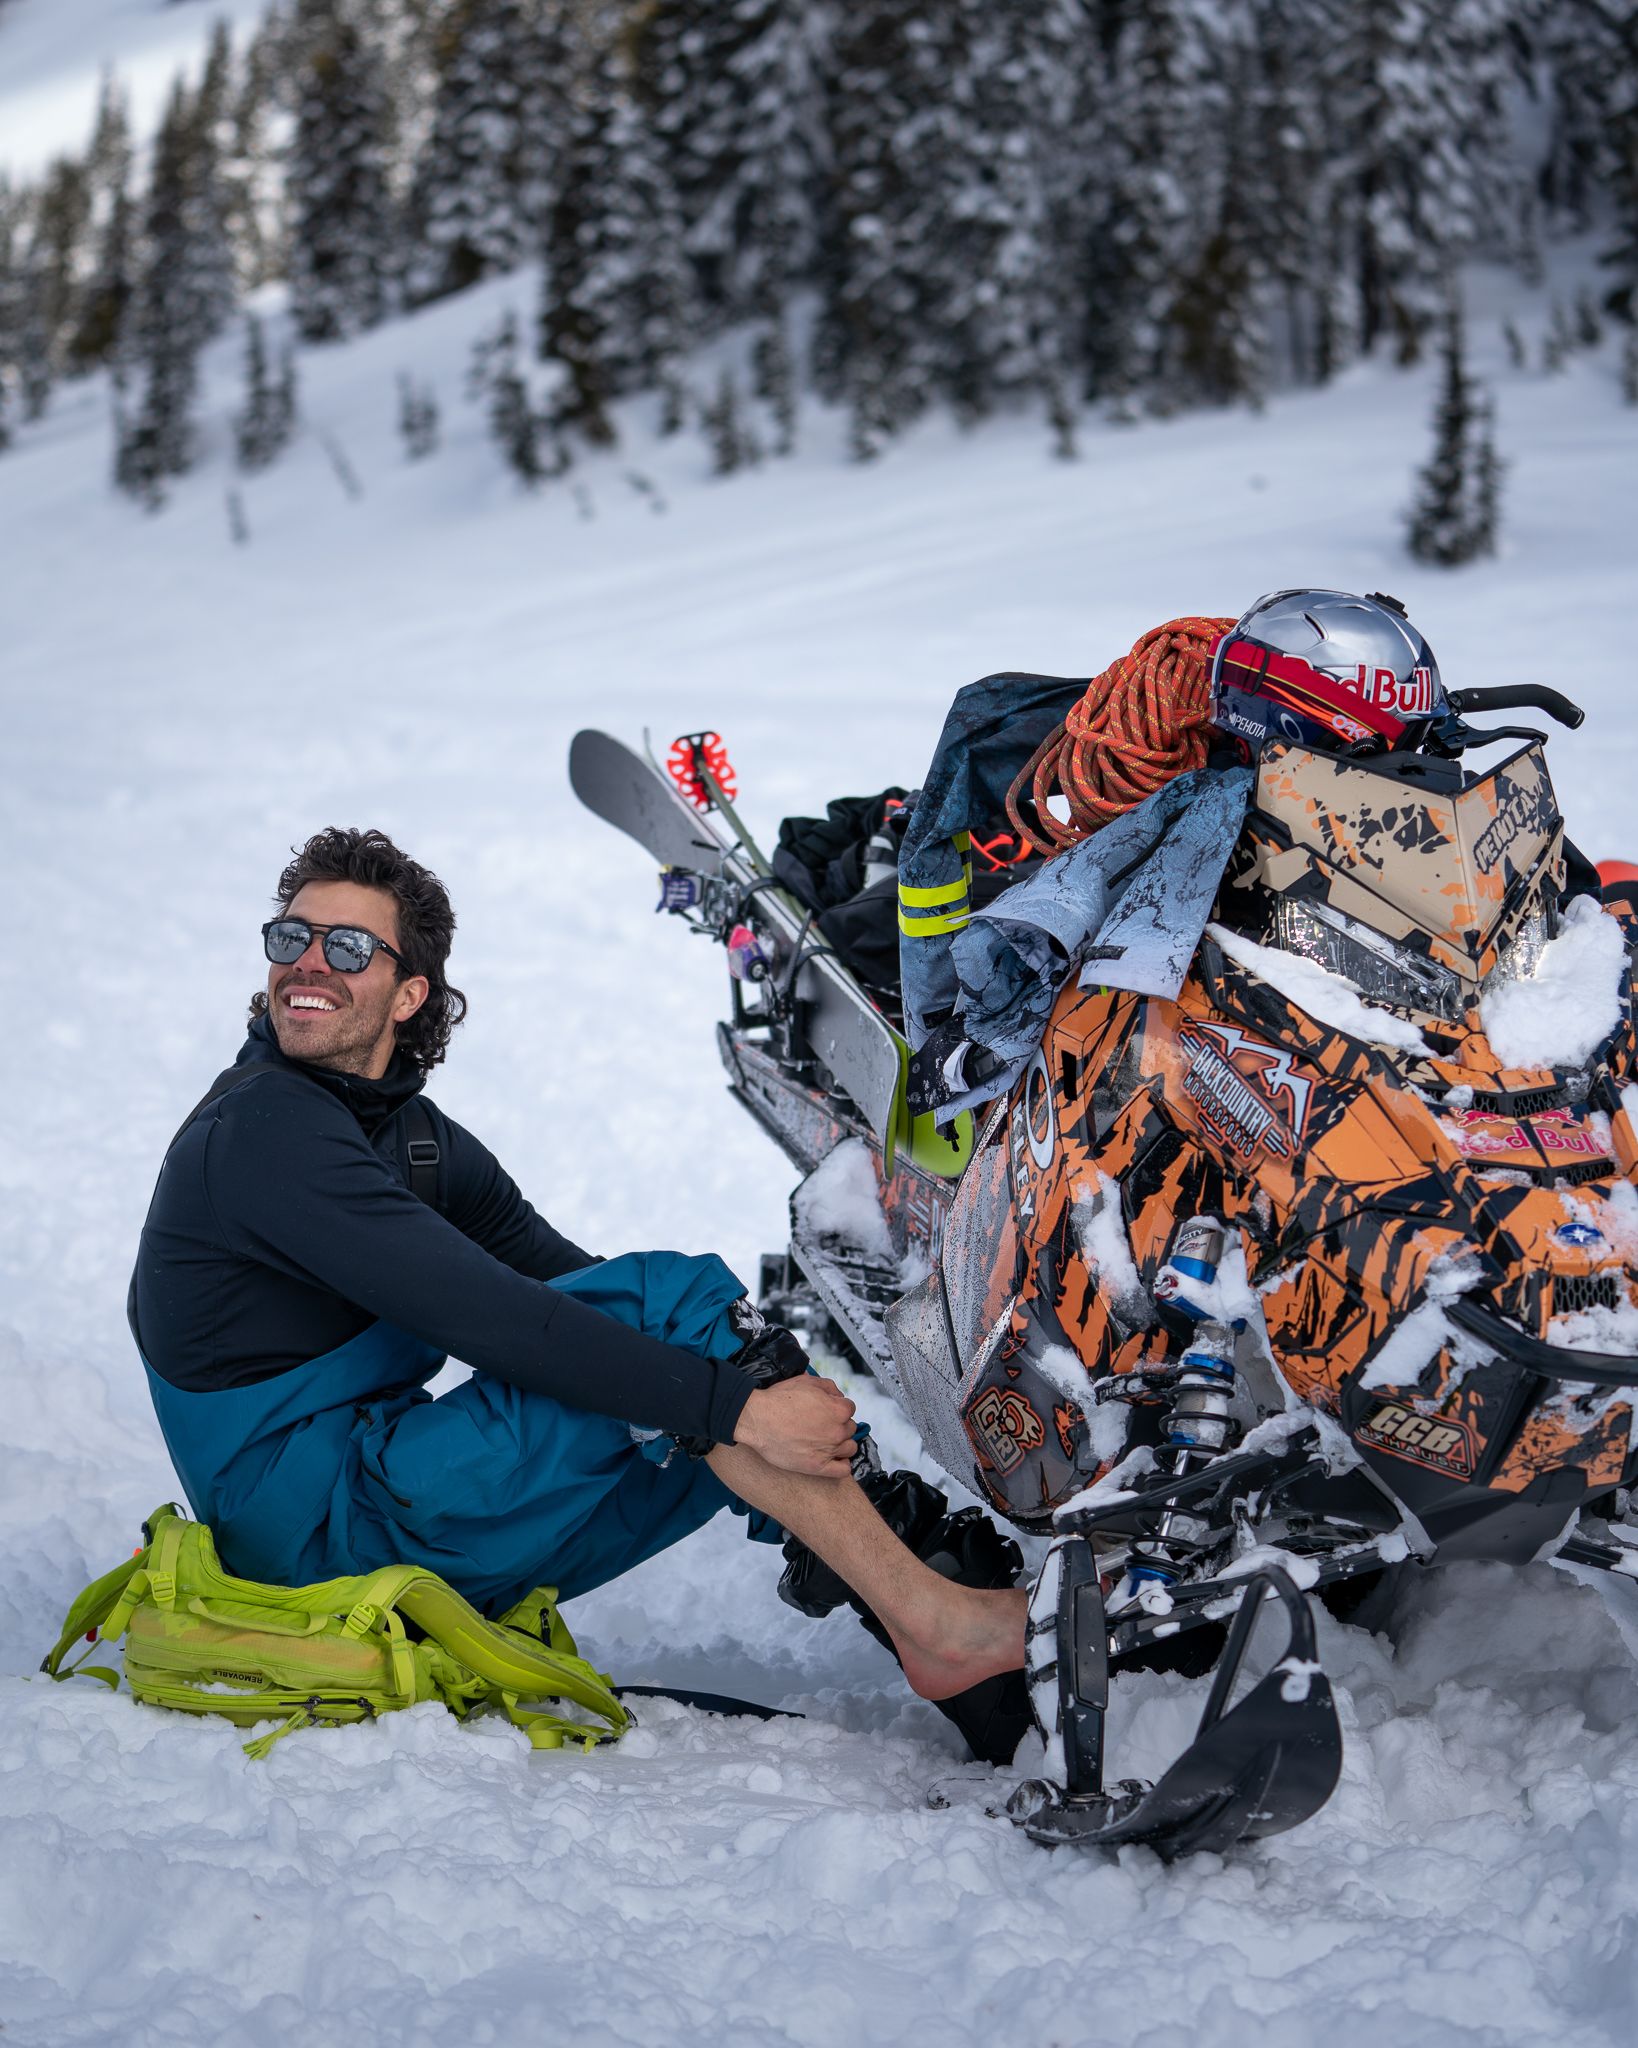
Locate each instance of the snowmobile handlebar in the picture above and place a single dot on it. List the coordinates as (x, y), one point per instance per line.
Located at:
(1520, 697)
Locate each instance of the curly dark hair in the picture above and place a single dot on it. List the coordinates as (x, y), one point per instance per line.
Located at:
(426, 925)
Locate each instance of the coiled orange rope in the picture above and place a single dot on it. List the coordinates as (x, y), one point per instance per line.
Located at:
(1141, 722)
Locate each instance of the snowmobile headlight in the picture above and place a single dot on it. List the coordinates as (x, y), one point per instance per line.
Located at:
(1521, 956)
(1381, 971)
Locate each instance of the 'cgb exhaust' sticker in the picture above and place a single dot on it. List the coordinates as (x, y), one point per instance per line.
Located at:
(1428, 1439)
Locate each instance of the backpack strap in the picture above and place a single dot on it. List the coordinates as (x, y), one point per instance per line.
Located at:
(419, 1148)
(420, 1152)
(110, 1598)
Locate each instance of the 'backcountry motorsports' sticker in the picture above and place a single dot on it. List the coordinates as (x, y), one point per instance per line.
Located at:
(1004, 1427)
(1235, 1082)
(1428, 1439)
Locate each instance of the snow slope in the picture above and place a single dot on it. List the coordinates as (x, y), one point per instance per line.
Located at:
(178, 709)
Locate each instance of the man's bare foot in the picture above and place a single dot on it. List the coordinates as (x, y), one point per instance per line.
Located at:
(979, 1635)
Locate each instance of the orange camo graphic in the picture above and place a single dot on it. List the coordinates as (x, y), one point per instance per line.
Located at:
(1351, 1181)
(1418, 1230)
(1245, 1308)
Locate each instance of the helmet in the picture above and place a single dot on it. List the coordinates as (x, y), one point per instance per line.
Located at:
(1326, 669)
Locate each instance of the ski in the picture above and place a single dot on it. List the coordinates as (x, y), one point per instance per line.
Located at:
(852, 1040)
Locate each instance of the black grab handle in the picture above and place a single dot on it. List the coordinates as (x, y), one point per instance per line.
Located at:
(1520, 697)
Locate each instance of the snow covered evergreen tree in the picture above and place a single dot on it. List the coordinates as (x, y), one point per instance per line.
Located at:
(1455, 514)
(253, 175)
(1488, 471)
(773, 375)
(730, 440)
(214, 265)
(889, 77)
(178, 304)
(417, 417)
(59, 225)
(343, 244)
(945, 278)
(1591, 52)
(11, 280)
(1219, 349)
(617, 309)
(1144, 229)
(484, 172)
(100, 333)
(515, 425)
(736, 94)
(1014, 206)
(1415, 92)
(1592, 47)
(267, 419)
(1274, 191)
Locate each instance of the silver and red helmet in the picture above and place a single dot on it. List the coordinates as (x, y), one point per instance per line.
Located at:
(1325, 669)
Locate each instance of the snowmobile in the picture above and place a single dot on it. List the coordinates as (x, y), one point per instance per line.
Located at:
(1239, 1306)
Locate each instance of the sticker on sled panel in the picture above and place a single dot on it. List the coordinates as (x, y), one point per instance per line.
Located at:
(1426, 1439)
(1005, 1427)
(1250, 1096)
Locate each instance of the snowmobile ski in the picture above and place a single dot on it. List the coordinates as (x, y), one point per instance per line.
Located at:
(1266, 1764)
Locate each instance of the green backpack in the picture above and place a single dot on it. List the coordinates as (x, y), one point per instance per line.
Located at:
(201, 1640)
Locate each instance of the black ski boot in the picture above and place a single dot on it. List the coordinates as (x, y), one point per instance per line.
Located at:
(966, 1548)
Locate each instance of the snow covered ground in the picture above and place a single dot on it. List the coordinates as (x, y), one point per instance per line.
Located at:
(176, 710)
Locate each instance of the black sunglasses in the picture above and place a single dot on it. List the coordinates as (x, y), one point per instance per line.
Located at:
(348, 948)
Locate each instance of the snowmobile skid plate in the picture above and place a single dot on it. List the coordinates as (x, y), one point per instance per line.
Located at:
(1259, 1767)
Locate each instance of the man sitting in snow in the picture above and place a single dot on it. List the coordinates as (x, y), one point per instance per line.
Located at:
(321, 1236)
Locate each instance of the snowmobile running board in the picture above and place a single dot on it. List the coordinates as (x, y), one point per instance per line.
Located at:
(1266, 1764)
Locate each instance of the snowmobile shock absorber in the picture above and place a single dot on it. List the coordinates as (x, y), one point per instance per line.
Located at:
(1199, 1424)
(1203, 1397)
(1196, 1432)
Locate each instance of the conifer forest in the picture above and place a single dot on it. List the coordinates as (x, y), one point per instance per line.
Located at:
(1042, 204)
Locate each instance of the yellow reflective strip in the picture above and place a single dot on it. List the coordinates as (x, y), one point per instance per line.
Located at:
(961, 841)
(946, 892)
(931, 927)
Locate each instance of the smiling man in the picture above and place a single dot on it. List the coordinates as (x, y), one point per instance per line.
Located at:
(322, 1237)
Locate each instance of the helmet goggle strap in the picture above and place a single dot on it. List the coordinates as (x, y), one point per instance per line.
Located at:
(1286, 679)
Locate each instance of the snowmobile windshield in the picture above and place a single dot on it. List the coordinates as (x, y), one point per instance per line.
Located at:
(1416, 896)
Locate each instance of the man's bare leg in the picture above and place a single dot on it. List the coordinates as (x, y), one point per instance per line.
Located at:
(948, 1637)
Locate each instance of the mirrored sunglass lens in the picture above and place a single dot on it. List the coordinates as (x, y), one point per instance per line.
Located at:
(287, 941)
(348, 952)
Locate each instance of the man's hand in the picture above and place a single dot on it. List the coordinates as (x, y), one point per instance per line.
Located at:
(800, 1425)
